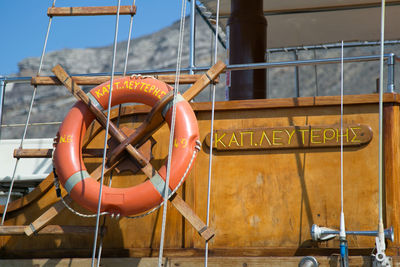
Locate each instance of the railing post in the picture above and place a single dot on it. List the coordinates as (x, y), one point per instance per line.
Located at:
(2, 92)
(296, 76)
(390, 75)
(192, 36)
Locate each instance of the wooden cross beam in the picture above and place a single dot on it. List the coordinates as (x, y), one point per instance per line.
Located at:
(96, 80)
(176, 200)
(90, 11)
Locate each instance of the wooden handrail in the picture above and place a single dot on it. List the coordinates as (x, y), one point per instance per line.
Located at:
(96, 80)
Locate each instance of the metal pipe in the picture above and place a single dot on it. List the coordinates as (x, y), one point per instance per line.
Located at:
(328, 46)
(281, 64)
(232, 67)
(390, 76)
(307, 62)
(205, 18)
(192, 37)
(2, 93)
(296, 76)
(30, 124)
(322, 233)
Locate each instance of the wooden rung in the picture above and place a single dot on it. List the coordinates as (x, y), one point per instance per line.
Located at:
(96, 80)
(90, 11)
(48, 230)
(47, 153)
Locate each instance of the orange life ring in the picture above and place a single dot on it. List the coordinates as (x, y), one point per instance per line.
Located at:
(71, 169)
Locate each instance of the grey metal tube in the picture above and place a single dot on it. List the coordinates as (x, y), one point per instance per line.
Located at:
(390, 76)
(192, 41)
(331, 45)
(2, 92)
(296, 76)
(303, 62)
(229, 67)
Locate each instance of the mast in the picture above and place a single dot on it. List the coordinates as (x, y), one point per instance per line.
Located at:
(247, 44)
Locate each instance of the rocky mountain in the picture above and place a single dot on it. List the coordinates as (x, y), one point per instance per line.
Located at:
(155, 51)
(159, 51)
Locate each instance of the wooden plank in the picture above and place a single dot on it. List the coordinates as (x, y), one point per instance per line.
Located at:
(287, 137)
(90, 11)
(40, 222)
(57, 207)
(255, 104)
(391, 132)
(181, 253)
(330, 261)
(147, 169)
(296, 102)
(324, 261)
(154, 120)
(36, 193)
(96, 80)
(47, 153)
(201, 83)
(48, 230)
(205, 232)
(114, 131)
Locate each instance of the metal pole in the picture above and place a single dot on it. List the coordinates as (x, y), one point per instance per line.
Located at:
(296, 76)
(2, 93)
(233, 67)
(390, 62)
(192, 41)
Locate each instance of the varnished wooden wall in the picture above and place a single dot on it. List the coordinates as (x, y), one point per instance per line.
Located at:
(262, 202)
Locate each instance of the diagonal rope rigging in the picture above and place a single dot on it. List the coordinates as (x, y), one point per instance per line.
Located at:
(106, 134)
(211, 135)
(118, 122)
(172, 129)
(28, 118)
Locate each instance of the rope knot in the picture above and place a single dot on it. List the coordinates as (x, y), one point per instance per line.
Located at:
(198, 145)
(140, 76)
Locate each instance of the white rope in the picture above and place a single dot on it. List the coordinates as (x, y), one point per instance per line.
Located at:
(342, 224)
(172, 131)
(211, 136)
(197, 148)
(140, 76)
(118, 121)
(381, 234)
(106, 134)
(57, 187)
(27, 119)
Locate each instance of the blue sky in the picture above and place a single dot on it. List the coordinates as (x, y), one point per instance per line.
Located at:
(23, 25)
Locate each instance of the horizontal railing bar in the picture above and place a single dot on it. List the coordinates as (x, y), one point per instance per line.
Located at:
(31, 124)
(262, 65)
(331, 45)
(283, 64)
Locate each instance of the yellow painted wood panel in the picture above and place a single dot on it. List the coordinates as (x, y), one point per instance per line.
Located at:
(271, 198)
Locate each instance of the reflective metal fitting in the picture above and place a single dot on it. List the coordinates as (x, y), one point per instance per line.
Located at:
(308, 261)
(323, 233)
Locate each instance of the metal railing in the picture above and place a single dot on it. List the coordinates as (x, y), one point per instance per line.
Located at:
(389, 58)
